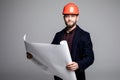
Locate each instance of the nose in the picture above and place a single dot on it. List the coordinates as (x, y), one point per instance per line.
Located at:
(69, 17)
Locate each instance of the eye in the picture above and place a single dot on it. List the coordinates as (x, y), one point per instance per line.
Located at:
(66, 15)
(73, 15)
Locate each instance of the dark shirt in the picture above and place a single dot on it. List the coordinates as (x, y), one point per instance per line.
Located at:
(69, 37)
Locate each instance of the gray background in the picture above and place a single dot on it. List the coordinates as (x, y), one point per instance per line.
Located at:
(41, 19)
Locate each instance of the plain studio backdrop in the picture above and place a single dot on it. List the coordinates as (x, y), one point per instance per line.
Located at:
(41, 19)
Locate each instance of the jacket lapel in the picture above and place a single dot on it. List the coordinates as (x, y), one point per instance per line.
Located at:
(74, 42)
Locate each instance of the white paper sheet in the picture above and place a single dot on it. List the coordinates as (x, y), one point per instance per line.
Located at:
(52, 58)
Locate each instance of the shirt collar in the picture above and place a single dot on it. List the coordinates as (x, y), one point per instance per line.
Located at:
(70, 31)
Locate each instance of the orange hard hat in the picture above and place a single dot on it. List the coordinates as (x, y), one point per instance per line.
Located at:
(70, 8)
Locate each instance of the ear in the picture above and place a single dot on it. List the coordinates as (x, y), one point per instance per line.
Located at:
(64, 17)
(77, 17)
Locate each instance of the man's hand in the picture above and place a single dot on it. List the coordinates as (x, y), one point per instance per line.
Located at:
(29, 55)
(72, 66)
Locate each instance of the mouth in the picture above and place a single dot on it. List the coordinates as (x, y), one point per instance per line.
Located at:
(69, 23)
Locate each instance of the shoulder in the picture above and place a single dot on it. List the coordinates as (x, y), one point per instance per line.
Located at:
(57, 37)
(82, 32)
(61, 32)
(83, 35)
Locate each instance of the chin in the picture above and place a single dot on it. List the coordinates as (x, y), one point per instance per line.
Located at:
(69, 26)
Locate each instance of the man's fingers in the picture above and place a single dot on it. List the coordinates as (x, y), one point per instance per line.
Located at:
(29, 55)
(72, 66)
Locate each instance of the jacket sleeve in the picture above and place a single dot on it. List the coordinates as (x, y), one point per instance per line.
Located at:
(88, 55)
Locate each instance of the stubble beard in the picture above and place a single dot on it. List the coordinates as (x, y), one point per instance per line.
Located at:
(70, 26)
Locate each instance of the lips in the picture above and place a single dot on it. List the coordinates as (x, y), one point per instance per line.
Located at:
(70, 23)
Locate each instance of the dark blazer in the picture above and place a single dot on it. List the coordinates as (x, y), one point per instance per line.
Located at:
(81, 51)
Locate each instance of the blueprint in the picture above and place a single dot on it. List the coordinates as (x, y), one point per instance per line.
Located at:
(51, 58)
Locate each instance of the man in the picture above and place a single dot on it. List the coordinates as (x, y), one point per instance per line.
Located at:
(79, 42)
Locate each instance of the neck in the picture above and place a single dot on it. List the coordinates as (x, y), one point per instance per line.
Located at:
(70, 29)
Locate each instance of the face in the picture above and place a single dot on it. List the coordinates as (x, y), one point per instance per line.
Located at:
(70, 20)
